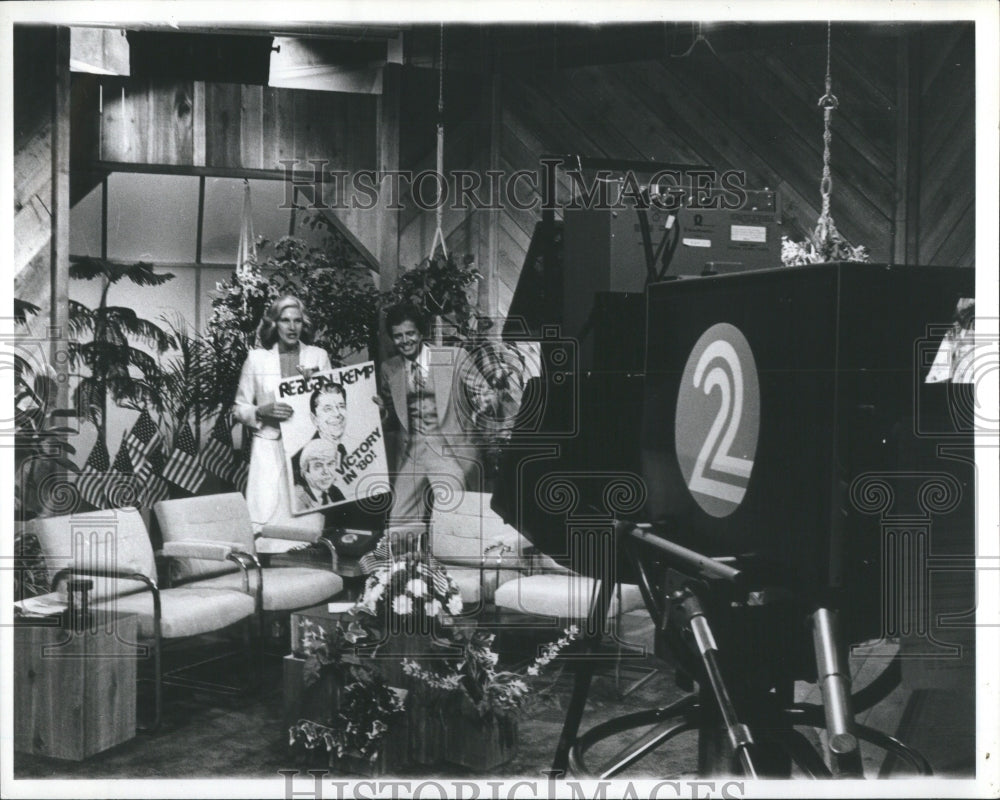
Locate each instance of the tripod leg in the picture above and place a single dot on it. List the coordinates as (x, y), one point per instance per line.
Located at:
(574, 713)
(835, 683)
(739, 734)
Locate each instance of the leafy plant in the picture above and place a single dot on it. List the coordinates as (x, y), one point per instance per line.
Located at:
(42, 463)
(332, 281)
(191, 381)
(474, 680)
(109, 355)
(358, 722)
(439, 285)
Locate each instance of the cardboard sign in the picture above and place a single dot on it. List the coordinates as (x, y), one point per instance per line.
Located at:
(333, 441)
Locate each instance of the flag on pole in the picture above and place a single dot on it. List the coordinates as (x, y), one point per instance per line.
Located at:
(217, 455)
(123, 487)
(247, 251)
(93, 478)
(142, 440)
(184, 468)
(155, 488)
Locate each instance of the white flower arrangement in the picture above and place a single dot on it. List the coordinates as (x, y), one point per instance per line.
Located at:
(410, 585)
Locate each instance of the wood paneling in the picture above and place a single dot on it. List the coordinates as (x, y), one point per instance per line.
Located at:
(945, 138)
(234, 126)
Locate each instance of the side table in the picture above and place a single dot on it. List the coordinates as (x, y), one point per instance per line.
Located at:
(74, 692)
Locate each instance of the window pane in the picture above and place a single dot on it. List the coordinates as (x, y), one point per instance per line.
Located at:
(85, 225)
(224, 210)
(152, 217)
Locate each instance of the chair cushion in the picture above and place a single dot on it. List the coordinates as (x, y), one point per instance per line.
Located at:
(214, 517)
(467, 579)
(459, 534)
(561, 596)
(114, 539)
(285, 588)
(185, 611)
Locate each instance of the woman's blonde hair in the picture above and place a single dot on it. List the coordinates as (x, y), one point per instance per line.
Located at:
(267, 331)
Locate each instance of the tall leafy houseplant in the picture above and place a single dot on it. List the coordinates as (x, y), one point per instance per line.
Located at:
(42, 457)
(109, 355)
(331, 280)
(192, 383)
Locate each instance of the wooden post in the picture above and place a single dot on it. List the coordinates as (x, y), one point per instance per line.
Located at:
(388, 161)
(59, 249)
(492, 299)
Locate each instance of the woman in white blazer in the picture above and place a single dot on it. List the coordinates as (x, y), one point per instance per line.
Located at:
(283, 333)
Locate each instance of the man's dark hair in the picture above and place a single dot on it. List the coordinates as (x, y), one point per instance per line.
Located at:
(405, 312)
(329, 388)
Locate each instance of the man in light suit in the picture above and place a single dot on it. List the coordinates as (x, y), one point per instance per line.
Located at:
(431, 396)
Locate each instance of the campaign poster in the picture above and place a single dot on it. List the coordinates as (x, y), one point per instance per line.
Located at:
(333, 441)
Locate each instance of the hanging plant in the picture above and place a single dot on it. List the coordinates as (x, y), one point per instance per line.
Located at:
(439, 286)
(826, 243)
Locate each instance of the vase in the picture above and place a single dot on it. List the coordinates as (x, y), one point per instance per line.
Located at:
(427, 724)
(391, 759)
(416, 645)
(480, 743)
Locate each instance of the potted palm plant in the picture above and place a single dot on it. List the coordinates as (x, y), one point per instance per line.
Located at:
(110, 356)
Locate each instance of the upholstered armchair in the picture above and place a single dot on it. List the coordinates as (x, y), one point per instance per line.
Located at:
(113, 549)
(222, 518)
(479, 550)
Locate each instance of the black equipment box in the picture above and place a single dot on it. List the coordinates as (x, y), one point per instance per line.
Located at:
(625, 249)
(768, 394)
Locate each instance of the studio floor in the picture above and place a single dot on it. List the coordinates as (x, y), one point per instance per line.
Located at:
(208, 737)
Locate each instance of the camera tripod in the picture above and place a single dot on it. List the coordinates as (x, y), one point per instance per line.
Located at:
(736, 630)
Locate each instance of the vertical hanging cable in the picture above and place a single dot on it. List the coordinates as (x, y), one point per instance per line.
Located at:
(827, 242)
(439, 208)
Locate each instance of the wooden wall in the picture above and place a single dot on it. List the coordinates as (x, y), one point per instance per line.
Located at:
(231, 128)
(902, 152)
(943, 141)
(902, 148)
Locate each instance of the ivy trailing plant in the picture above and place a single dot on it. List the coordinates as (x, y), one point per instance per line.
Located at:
(110, 356)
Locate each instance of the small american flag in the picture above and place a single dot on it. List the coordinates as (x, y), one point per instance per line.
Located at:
(149, 474)
(239, 476)
(123, 487)
(143, 439)
(217, 455)
(184, 466)
(93, 477)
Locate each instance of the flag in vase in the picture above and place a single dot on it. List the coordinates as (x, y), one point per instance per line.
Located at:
(184, 468)
(93, 478)
(123, 487)
(217, 456)
(142, 440)
(150, 477)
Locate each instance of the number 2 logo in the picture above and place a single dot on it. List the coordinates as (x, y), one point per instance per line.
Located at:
(717, 419)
